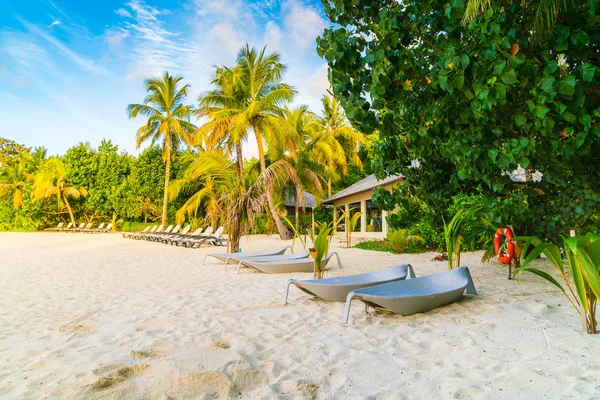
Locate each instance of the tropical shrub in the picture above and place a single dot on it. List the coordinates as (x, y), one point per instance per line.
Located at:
(582, 288)
(403, 242)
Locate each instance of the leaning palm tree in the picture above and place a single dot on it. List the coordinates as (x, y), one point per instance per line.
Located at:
(249, 98)
(336, 128)
(168, 121)
(51, 181)
(211, 181)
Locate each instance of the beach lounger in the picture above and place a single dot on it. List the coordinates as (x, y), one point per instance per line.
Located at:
(190, 242)
(177, 240)
(226, 257)
(56, 228)
(214, 240)
(289, 266)
(129, 234)
(337, 288)
(75, 229)
(85, 228)
(415, 295)
(297, 256)
(161, 236)
(174, 234)
(106, 229)
(158, 233)
(94, 230)
(140, 235)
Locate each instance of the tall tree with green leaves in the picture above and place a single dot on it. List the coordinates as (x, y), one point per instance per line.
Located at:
(249, 99)
(458, 107)
(545, 13)
(168, 121)
(51, 181)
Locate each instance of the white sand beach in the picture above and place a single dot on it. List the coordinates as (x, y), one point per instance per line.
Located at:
(102, 317)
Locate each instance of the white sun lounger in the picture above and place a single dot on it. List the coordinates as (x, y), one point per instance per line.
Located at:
(415, 295)
(289, 266)
(237, 256)
(337, 288)
(296, 256)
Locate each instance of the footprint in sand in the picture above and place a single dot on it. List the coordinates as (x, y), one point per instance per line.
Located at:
(222, 344)
(308, 390)
(76, 328)
(213, 383)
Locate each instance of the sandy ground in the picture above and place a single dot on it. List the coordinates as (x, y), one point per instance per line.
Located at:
(102, 317)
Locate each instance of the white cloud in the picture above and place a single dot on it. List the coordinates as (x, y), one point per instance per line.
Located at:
(318, 82)
(54, 23)
(303, 23)
(273, 37)
(155, 49)
(225, 37)
(123, 13)
(62, 48)
(115, 38)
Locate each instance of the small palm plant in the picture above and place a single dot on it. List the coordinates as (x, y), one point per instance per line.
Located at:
(583, 258)
(454, 233)
(320, 249)
(351, 220)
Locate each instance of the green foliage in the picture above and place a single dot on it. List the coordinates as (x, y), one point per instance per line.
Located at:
(320, 249)
(583, 257)
(133, 226)
(397, 241)
(472, 101)
(351, 219)
(454, 234)
(375, 245)
(403, 242)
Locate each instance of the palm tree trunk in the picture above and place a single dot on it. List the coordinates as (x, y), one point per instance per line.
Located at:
(167, 174)
(329, 187)
(70, 211)
(284, 234)
(296, 210)
(240, 160)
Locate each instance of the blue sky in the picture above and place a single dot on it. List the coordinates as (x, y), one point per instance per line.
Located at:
(68, 68)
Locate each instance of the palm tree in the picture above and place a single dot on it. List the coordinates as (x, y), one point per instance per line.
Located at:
(168, 121)
(212, 181)
(249, 98)
(339, 134)
(222, 106)
(300, 153)
(52, 181)
(13, 177)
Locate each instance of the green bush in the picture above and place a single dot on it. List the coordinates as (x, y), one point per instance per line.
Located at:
(375, 245)
(403, 242)
(134, 226)
(398, 241)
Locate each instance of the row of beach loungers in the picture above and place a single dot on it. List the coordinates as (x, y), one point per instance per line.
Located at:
(176, 236)
(82, 228)
(387, 289)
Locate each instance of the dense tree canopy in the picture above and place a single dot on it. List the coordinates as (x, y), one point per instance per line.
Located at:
(473, 101)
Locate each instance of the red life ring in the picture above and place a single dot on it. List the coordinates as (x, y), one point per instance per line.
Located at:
(510, 248)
